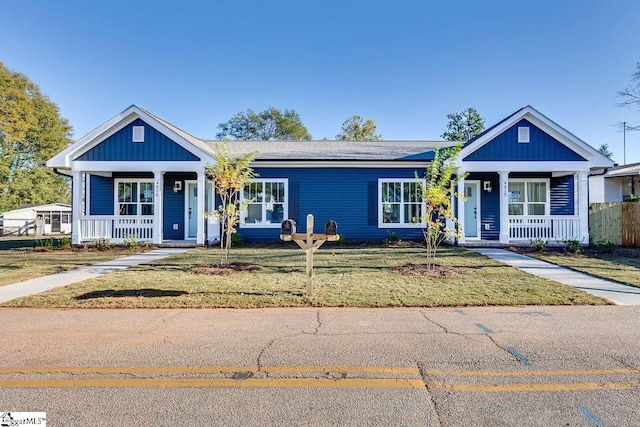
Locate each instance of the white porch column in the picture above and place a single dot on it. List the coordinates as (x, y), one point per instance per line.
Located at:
(157, 207)
(583, 208)
(76, 207)
(461, 239)
(200, 213)
(504, 206)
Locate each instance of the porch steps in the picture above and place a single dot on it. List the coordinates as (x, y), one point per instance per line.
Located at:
(178, 244)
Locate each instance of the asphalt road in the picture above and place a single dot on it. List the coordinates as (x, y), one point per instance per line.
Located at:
(528, 366)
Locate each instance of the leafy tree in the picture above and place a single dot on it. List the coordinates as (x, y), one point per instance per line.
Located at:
(604, 150)
(270, 124)
(229, 176)
(31, 132)
(356, 129)
(436, 192)
(464, 125)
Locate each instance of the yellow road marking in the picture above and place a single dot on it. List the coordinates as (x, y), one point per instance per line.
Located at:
(558, 372)
(211, 370)
(221, 382)
(532, 387)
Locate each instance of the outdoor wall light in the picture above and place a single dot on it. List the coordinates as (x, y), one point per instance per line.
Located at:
(487, 186)
(177, 186)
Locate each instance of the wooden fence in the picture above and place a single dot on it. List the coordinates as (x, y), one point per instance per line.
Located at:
(619, 222)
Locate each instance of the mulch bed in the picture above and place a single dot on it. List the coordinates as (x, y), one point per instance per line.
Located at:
(421, 270)
(226, 270)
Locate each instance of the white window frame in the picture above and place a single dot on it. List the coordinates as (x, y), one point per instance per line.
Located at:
(382, 224)
(116, 202)
(264, 203)
(547, 205)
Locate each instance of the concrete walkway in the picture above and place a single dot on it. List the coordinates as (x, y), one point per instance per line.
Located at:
(41, 284)
(616, 292)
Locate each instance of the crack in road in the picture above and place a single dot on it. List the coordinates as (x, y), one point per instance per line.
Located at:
(319, 322)
(432, 399)
(443, 328)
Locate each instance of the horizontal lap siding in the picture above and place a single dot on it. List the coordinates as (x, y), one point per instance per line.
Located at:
(541, 147)
(562, 192)
(338, 194)
(120, 147)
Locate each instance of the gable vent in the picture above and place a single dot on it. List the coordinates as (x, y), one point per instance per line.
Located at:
(523, 134)
(138, 133)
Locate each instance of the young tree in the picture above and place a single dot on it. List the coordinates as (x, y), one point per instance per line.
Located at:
(464, 125)
(229, 176)
(31, 132)
(270, 124)
(604, 150)
(356, 129)
(437, 193)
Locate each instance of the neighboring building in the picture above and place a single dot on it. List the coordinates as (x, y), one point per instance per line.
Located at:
(616, 184)
(53, 218)
(137, 175)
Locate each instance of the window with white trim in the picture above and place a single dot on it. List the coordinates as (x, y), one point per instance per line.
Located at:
(134, 197)
(400, 203)
(267, 203)
(528, 197)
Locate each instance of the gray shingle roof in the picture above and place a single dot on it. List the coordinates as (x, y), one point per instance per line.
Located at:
(334, 150)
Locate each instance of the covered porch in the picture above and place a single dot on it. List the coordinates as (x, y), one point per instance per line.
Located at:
(514, 207)
(162, 207)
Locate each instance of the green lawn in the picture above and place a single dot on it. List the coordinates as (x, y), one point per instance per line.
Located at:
(344, 276)
(17, 265)
(621, 266)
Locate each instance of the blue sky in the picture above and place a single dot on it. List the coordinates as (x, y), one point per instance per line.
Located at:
(404, 64)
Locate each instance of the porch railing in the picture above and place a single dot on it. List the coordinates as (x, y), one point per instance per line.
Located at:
(555, 227)
(116, 229)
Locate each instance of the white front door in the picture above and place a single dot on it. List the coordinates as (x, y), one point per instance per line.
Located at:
(191, 210)
(471, 209)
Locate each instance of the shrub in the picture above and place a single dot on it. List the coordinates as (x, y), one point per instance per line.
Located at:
(341, 240)
(102, 244)
(392, 237)
(131, 242)
(606, 245)
(64, 242)
(46, 243)
(574, 246)
(236, 240)
(538, 244)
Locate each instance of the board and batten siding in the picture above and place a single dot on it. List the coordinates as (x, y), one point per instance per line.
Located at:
(173, 205)
(541, 147)
(341, 194)
(102, 195)
(120, 147)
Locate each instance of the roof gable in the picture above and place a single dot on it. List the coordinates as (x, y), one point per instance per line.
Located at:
(155, 147)
(553, 134)
(541, 147)
(112, 126)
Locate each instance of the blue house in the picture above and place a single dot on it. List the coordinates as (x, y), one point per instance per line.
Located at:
(138, 176)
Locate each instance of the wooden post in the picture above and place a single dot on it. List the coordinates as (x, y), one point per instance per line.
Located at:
(309, 250)
(307, 243)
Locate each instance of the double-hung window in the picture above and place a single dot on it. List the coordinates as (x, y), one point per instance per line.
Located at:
(528, 197)
(266, 203)
(400, 203)
(134, 197)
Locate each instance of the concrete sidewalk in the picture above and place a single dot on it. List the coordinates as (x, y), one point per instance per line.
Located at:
(41, 284)
(613, 291)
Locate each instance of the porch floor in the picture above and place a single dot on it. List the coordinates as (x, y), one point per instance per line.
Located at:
(497, 244)
(179, 244)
